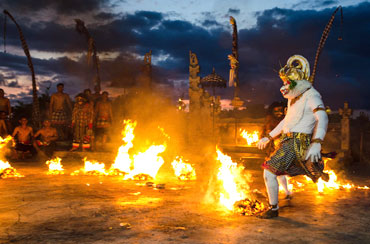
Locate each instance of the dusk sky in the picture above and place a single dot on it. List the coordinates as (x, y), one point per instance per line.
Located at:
(124, 30)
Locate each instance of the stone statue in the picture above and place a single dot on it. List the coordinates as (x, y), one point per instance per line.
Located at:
(234, 64)
(346, 112)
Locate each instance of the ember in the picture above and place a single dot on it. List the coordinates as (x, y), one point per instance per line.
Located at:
(183, 171)
(55, 166)
(7, 171)
(248, 207)
(143, 177)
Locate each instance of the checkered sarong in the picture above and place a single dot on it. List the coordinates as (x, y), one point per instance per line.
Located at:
(59, 117)
(287, 158)
(102, 122)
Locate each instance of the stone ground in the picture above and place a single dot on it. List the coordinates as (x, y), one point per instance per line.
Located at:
(40, 208)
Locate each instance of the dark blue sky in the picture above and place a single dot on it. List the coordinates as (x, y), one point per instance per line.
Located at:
(125, 30)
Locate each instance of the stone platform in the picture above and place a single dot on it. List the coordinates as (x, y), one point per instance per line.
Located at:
(41, 208)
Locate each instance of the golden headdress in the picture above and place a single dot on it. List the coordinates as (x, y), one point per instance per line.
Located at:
(297, 68)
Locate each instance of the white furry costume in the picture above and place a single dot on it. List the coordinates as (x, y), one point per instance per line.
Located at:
(305, 122)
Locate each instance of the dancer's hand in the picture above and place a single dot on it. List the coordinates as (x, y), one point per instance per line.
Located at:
(313, 152)
(261, 144)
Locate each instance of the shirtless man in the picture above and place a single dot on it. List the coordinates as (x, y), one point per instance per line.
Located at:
(5, 111)
(24, 135)
(104, 117)
(46, 144)
(58, 112)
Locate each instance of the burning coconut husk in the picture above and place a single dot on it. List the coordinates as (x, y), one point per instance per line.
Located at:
(142, 166)
(7, 171)
(183, 171)
(233, 191)
(147, 163)
(248, 207)
(91, 168)
(55, 166)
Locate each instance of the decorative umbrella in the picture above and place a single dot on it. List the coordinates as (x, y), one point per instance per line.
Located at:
(213, 80)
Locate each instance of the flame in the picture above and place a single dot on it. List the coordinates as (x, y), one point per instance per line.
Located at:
(234, 187)
(91, 168)
(123, 162)
(334, 183)
(251, 138)
(141, 166)
(55, 166)
(7, 171)
(331, 184)
(147, 163)
(4, 141)
(183, 171)
(229, 175)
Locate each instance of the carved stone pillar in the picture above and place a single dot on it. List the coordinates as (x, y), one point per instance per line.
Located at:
(345, 112)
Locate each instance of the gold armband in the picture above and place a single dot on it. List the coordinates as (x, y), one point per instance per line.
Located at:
(318, 109)
(317, 140)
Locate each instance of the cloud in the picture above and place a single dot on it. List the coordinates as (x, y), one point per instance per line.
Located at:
(315, 4)
(278, 34)
(67, 7)
(233, 11)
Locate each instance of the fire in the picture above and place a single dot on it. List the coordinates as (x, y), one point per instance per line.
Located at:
(4, 141)
(251, 138)
(141, 166)
(234, 187)
(123, 161)
(55, 166)
(91, 168)
(183, 171)
(334, 183)
(7, 171)
(229, 175)
(331, 184)
(147, 163)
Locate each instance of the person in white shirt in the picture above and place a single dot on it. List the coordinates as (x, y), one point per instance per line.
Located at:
(302, 132)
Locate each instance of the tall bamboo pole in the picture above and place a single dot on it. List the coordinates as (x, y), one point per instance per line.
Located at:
(80, 27)
(235, 53)
(35, 105)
